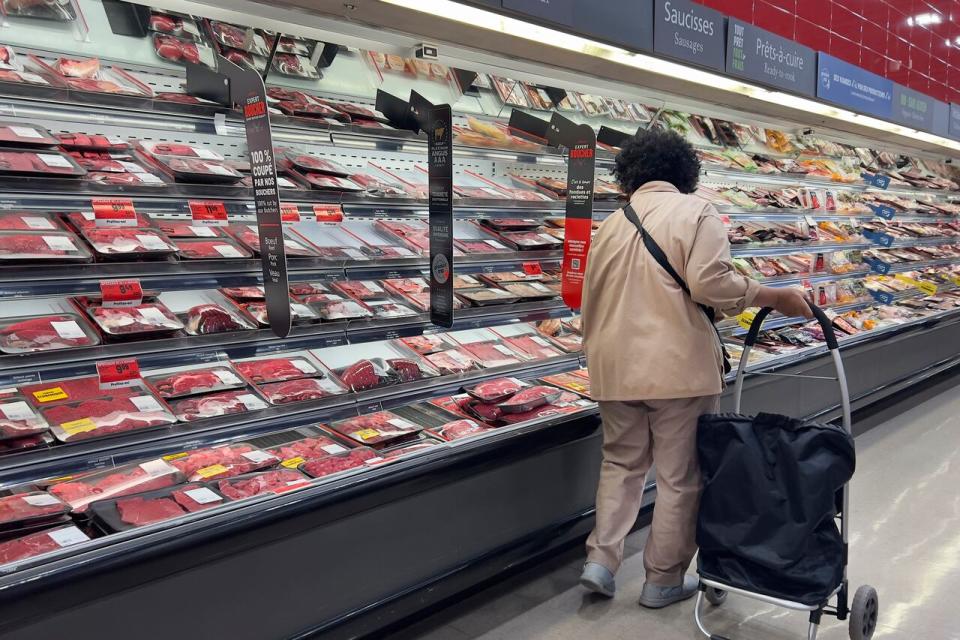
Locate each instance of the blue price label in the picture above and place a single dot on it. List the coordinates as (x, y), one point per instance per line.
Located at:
(876, 237)
(883, 297)
(883, 211)
(878, 266)
(876, 180)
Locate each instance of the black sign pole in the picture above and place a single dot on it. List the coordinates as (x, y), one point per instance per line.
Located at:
(578, 226)
(440, 163)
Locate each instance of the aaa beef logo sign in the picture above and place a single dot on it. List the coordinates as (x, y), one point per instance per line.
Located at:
(440, 164)
(579, 218)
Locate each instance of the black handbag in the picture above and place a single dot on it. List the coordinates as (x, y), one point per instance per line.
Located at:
(662, 260)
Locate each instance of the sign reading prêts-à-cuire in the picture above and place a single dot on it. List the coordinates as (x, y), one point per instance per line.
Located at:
(761, 56)
(689, 31)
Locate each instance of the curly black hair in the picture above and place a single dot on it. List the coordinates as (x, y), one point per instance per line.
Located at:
(657, 155)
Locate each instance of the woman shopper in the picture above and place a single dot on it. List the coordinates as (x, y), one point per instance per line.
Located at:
(656, 361)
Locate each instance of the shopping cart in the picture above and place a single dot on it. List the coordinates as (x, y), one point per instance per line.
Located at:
(863, 611)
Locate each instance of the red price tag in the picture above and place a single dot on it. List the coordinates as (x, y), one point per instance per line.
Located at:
(208, 213)
(116, 374)
(289, 213)
(328, 212)
(532, 268)
(111, 212)
(121, 293)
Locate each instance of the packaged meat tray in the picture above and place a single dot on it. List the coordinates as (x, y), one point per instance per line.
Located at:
(377, 429)
(378, 187)
(300, 313)
(529, 398)
(188, 381)
(39, 543)
(176, 49)
(243, 38)
(138, 243)
(249, 236)
(265, 370)
(45, 333)
(81, 490)
(84, 142)
(359, 289)
(307, 162)
(498, 390)
(223, 461)
(46, 394)
(459, 429)
(414, 234)
(332, 463)
(389, 309)
(301, 390)
(404, 286)
(326, 182)
(205, 319)
(28, 221)
(505, 277)
(308, 288)
(567, 402)
(53, 246)
(19, 420)
(180, 150)
(421, 445)
(49, 164)
(571, 382)
(534, 346)
(25, 135)
(218, 249)
(174, 24)
(266, 482)
(421, 301)
(197, 170)
(82, 220)
(24, 509)
(486, 296)
(243, 294)
(510, 224)
(379, 243)
(295, 453)
(150, 507)
(22, 444)
(530, 290)
(343, 310)
(221, 403)
(186, 229)
(452, 361)
(105, 416)
(530, 240)
(427, 343)
(145, 320)
(466, 282)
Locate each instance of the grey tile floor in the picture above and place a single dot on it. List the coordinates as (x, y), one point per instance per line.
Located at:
(905, 541)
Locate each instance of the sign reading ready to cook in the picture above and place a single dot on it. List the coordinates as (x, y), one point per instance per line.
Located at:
(767, 58)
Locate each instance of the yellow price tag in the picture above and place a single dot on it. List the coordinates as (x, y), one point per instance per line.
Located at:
(176, 456)
(78, 426)
(213, 470)
(366, 434)
(292, 463)
(928, 288)
(746, 318)
(50, 395)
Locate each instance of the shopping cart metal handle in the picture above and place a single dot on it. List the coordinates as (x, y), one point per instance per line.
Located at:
(825, 324)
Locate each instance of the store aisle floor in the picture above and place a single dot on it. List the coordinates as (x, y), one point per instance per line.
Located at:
(905, 541)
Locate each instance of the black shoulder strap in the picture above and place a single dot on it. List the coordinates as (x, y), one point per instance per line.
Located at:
(664, 263)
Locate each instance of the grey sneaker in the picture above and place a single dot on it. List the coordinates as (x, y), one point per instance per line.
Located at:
(657, 597)
(598, 579)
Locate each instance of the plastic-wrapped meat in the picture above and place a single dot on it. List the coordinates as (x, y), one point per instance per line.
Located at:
(265, 370)
(452, 361)
(190, 495)
(304, 109)
(531, 240)
(275, 481)
(496, 390)
(359, 289)
(185, 383)
(406, 449)
(79, 492)
(165, 23)
(492, 354)
(534, 346)
(404, 286)
(460, 429)
(187, 229)
(294, 65)
(387, 309)
(331, 183)
(91, 142)
(43, 334)
(98, 86)
(248, 236)
(229, 34)
(365, 374)
(377, 187)
(308, 448)
(41, 247)
(408, 370)
(88, 68)
(204, 319)
(529, 399)
(244, 293)
(377, 429)
(40, 163)
(84, 220)
(308, 288)
(105, 416)
(344, 310)
(480, 246)
(542, 411)
(128, 242)
(427, 343)
(71, 390)
(175, 50)
(320, 165)
(258, 311)
(177, 97)
(300, 390)
(126, 179)
(224, 461)
(212, 405)
(22, 221)
(335, 463)
(36, 544)
(195, 169)
(143, 511)
(126, 321)
(487, 412)
(18, 420)
(22, 444)
(31, 507)
(211, 249)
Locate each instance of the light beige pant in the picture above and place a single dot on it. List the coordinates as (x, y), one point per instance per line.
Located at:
(636, 435)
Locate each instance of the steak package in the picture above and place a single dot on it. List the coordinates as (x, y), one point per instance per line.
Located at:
(36, 544)
(150, 507)
(145, 320)
(492, 354)
(248, 236)
(196, 170)
(458, 429)
(452, 361)
(409, 448)
(217, 249)
(277, 369)
(188, 381)
(23, 221)
(307, 162)
(25, 135)
(343, 310)
(254, 484)
(105, 416)
(360, 289)
(529, 290)
(336, 462)
(81, 220)
(379, 364)
(19, 420)
(223, 461)
(533, 345)
(29, 442)
(46, 164)
(79, 491)
(427, 343)
(243, 294)
(22, 509)
(573, 381)
(567, 402)
(47, 394)
(367, 374)
(84, 142)
(298, 451)
(529, 240)
(301, 390)
(186, 229)
(300, 313)
(377, 430)
(204, 319)
(45, 333)
(389, 309)
(498, 390)
(220, 403)
(528, 399)
(180, 150)
(112, 243)
(53, 246)
(486, 296)
(308, 289)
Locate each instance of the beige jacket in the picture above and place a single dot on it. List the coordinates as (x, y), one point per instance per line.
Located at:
(645, 339)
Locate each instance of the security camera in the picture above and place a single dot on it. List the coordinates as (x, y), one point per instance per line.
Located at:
(427, 51)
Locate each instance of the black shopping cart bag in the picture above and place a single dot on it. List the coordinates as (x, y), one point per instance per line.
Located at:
(766, 521)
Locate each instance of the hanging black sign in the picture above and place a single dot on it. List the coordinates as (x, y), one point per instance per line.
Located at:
(582, 143)
(440, 164)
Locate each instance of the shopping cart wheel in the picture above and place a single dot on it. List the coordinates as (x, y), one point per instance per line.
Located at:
(863, 613)
(715, 596)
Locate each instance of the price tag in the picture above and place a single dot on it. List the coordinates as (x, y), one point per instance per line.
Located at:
(289, 213)
(208, 213)
(226, 377)
(203, 495)
(202, 232)
(152, 242)
(60, 243)
(878, 266)
(112, 212)
(206, 154)
(121, 293)
(131, 167)
(292, 463)
(54, 161)
(228, 251)
(927, 288)
(883, 297)
(146, 403)
(883, 211)
(328, 212)
(258, 456)
(532, 268)
(82, 425)
(251, 402)
(877, 237)
(67, 536)
(213, 470)
(17, 411)
(68, 330)
(50, 395)
(157, 468)
(42, 500)
(876, 180)
(38, 223)
(304, 366)
(25, 132)
(333, 448)
(745, 319)
(366, 434)
(117, 374)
